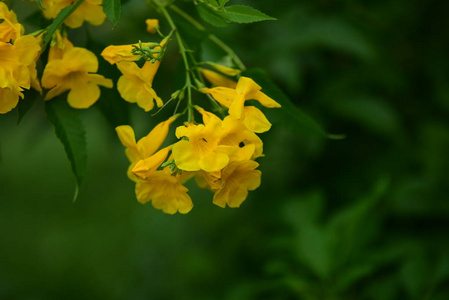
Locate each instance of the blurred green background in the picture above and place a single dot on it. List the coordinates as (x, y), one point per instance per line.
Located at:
(365, 217)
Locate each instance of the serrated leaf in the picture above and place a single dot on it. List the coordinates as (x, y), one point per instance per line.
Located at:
(289, 113)
(245, 14)
(211, 16)
(112, 9)
(58, 21)
(70, 131)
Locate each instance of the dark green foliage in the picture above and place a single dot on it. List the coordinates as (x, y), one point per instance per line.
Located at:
(362, 218)
(288, 115)
(70, 131)
(112, 9)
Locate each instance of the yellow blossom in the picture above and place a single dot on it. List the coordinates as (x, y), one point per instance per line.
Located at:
(237, 179)
(231, 185)
(17, 70)
(10, 28)
(73, 72)
(146, 147)
(236, 134)
(242, 143)
(90, 11)
(135, 85)
(198, 149)
(114, 54)
(145, 167)
(152, 24)
(165, 192)
(234, 99)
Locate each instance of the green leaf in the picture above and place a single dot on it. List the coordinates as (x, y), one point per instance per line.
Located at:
(70, 131)
(289, 113)
(245, 14)
(211, 16)
(58, 21)
(372, 113)
(213, 2)
(222, 2)
(112, 9)
(25, 105)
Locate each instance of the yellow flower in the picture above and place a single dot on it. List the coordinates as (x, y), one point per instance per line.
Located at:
(146, 147)
(237, 179)
(135, 85)
(73, 72)
(199, 149)
(90, 11)
(114, 54)
(165, 192)
(236, 139)
(145, 167)
(10, 28)
(247, 144)
(152, 24)
(234, 99)
(232, 184)
(17, 69)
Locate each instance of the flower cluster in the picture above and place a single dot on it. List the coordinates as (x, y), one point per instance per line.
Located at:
(68, 68)
(18, 55)
(219, 154)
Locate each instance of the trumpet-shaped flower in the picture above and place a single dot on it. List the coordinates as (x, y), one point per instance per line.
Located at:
(237, 179)
(199, 149)
(90, 11)
(231, 186)
(241, 143)
(234, 99)
(165, 192)
(73, 72)
(114, 54)
(146, 147)
(10, 28)
(135, 85)
(247, 144)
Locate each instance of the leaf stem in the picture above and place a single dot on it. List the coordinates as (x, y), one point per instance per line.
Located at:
(183, 51)
(211, 36)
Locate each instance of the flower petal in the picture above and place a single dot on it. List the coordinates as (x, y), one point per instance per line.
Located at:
(83, 95)
(255, 120)
(144, 168)
(213, 161)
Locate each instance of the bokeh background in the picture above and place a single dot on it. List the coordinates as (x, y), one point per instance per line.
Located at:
(364, 217)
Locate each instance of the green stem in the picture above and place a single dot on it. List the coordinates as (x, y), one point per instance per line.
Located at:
(211, 36)
(183, 51)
